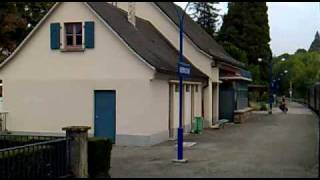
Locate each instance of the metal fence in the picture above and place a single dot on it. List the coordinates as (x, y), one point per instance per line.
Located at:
(12, 140)
(3, 121)
(33, 157)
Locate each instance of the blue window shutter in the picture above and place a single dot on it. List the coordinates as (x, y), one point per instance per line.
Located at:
(89, 34)
(55, 35)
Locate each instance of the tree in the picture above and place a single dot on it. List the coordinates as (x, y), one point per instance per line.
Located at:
(236, 52)
(11, 26)
(300, 51)
(17, 19)
(246, 27)
(315, 45)
(33, 11)
(206, 15)
(303, 71)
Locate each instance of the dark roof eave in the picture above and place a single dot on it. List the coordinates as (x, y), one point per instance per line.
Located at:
(227, 59)
(165, 71)
(144, 39)
(237, 63)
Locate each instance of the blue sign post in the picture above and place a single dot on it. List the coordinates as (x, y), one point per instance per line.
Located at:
(183, 70)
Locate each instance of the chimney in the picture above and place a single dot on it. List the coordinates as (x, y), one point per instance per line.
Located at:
(132, 13)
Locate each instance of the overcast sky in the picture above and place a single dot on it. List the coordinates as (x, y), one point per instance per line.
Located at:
(292, 24)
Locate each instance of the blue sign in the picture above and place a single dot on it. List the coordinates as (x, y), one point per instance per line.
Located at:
(184, 69)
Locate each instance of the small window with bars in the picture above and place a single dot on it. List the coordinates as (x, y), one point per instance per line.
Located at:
(188, 88)
(176, 88)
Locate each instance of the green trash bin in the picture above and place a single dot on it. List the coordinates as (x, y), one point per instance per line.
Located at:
(197, 125)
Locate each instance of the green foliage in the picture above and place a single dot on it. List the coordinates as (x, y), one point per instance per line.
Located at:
(12, 25)
(16, 20)
(235, 52)
(99, 156)
(315, 45)
(303, 71)
(246, 26)
(265, 97)
(206, 15)
(263, 106)
(300, 51)
(2, 57)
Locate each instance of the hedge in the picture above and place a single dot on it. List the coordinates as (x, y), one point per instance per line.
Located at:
(99, 156)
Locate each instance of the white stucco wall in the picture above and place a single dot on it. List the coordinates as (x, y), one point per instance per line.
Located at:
(198, 101)
(187, 105)
(187, 109)
(149, 11)
(45, 90)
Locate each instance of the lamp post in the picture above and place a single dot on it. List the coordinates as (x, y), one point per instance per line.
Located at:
(270, 85)
(276, 80)
(183, 70)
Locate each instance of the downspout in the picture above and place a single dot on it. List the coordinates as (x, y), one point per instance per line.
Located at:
(202, 96)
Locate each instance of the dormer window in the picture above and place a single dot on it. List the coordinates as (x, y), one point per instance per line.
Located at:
(73, 35)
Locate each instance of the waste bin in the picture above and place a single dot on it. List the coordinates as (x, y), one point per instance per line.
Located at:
(197, 125)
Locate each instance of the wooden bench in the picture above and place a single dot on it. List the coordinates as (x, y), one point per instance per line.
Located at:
(241, 115)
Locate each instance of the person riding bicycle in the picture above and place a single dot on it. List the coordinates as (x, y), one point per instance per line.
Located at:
(283, 105)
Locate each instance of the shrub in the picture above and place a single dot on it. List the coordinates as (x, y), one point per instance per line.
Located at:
(99, 156)
(255, 105)
(264, 97)
(36, 162)
(263, 106)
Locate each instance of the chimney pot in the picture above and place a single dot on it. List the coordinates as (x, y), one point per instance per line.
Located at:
(132, 13)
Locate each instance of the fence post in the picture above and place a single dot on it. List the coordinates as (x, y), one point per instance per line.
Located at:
(77, 150)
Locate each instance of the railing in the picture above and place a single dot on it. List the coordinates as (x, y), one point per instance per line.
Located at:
(12, 140)
(37, 160)
(3, 121)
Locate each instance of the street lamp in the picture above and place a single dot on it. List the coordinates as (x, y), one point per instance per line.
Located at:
(183, 70)
(270, 84)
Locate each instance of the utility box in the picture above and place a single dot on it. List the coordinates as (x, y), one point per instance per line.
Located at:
(197, 125)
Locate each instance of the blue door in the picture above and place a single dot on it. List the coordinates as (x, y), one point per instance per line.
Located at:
(105, 114)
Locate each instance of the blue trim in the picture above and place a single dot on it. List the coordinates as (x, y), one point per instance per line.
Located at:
(89, 34)
(246, 74)
(55, 35)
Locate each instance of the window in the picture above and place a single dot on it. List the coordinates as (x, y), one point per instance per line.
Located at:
(187, 87)
(196, 88)
(176, 88)
(73, 35)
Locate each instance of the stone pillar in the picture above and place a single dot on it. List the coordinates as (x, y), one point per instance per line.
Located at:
(77, 150)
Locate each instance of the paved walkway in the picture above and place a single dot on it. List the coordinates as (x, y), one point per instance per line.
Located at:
(278, 145)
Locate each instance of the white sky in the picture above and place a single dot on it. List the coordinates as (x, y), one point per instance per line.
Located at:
(292, 24)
